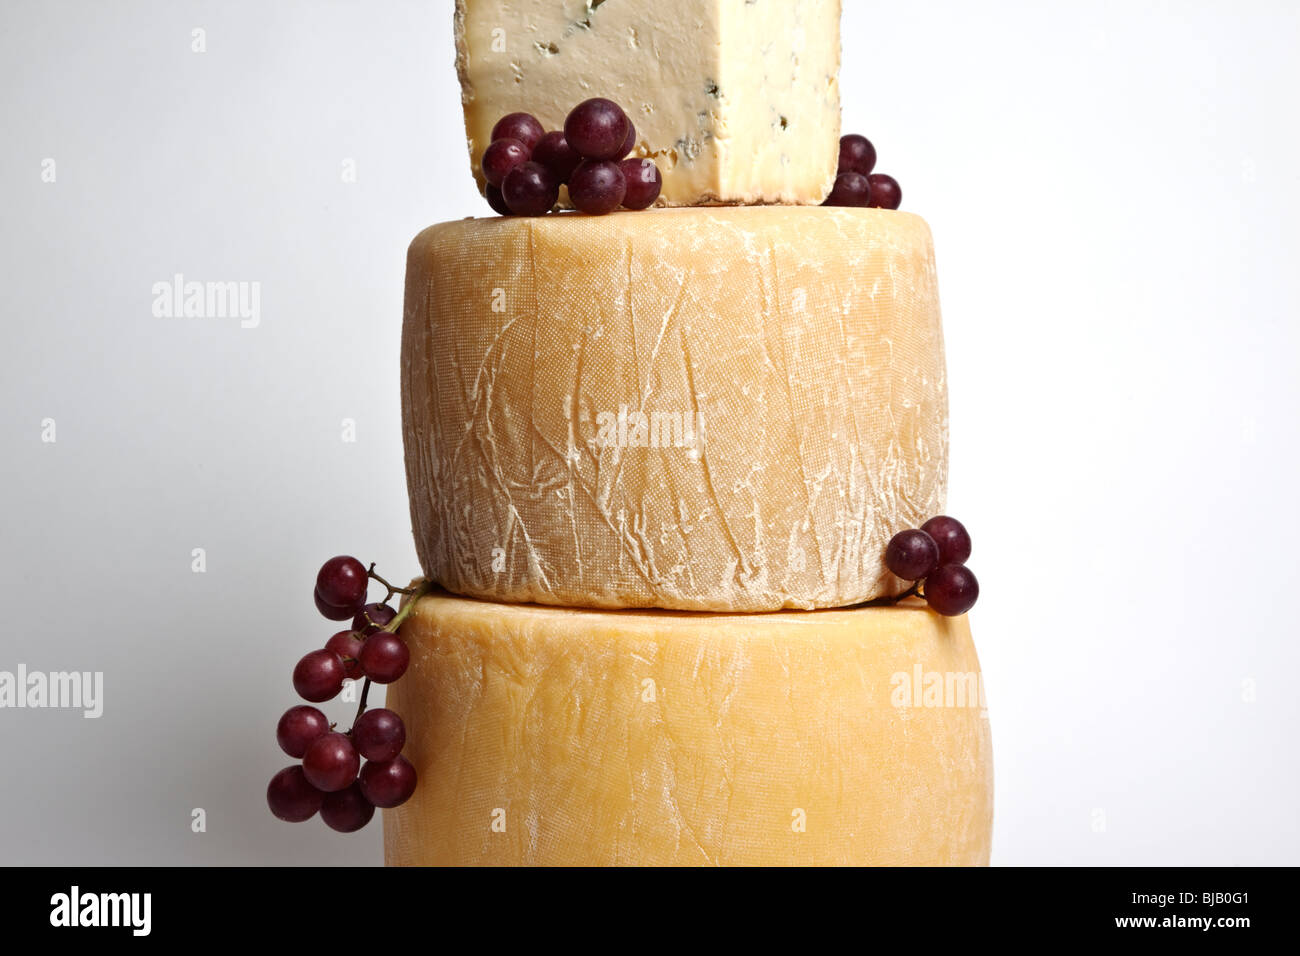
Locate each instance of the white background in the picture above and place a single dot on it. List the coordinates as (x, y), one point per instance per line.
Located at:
(1114, 190)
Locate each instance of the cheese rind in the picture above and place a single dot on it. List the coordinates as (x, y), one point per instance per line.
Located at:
(549, 736)
(788, 363)
(736, 100)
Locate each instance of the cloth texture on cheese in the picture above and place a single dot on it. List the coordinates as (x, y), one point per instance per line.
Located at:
(737, 101)
(719, 409)
(551, 736)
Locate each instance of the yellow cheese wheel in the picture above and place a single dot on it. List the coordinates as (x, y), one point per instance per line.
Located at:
(713, 409)
(548, 736)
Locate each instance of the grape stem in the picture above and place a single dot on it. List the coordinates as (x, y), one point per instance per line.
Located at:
(413, 594)
(391, 589)
(914, 590)
(361, 704)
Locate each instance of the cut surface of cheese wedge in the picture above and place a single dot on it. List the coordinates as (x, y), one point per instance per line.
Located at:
(717, 409)
(550, 736)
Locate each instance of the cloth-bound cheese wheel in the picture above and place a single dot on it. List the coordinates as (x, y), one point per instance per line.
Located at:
(717, 409)
(552, 736)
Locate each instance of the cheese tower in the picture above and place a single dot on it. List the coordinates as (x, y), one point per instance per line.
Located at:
(627, 434)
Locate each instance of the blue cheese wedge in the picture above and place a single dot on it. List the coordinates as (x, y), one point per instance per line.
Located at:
(737, 101)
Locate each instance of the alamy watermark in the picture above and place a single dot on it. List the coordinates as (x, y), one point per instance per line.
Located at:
(632, 428)
(179, 299)
(69, 690)
(922, 688)
(75, 908)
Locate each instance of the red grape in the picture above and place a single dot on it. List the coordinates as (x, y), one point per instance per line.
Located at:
(347, 645)
(597, 128)
(388, 784)
(346, 810)
(502, 156)
(329, 611)
(291, 797)
(951, 590)
(372, 617)
(379, 734)
(629, 143)
(555, 153)
(520, 126)
(597, 187)
(850, 189)
(497, 202)
(319, 675)
(857, 155)
(644, 182)
(342, 583)
(885, 192)
(912, 554)
(951, 537)
(298, 727)
(384, 657)
(331, 762)
(530, 189)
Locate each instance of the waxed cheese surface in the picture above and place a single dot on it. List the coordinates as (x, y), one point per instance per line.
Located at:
(546, 736)
(724, 409)
(737, 101)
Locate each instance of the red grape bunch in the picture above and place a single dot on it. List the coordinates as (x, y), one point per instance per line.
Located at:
(525, 166)
(934, 556)
(331, 777)
(856, 184)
